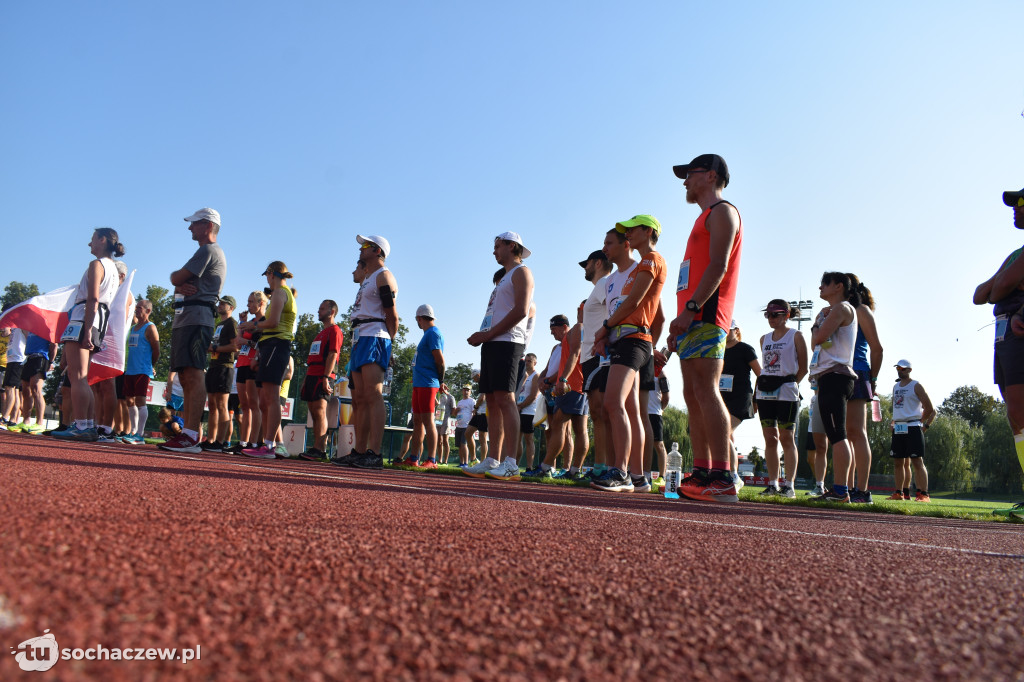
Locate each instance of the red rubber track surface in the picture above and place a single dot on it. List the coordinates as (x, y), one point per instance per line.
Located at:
(294, 570)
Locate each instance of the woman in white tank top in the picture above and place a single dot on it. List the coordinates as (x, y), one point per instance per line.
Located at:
(832, 337)
(84, 333)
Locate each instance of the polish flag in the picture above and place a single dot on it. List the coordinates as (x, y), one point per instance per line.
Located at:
(45, 315)
(109, 361)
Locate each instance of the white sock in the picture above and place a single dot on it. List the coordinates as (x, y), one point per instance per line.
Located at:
(545, 467)
(143, 415)
(81, 424)
(194, 435)
(133, 419)
(30, 421)
(821, 484)
(269, 444)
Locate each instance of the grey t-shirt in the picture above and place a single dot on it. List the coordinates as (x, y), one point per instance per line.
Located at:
(445, 403)
(209, 267)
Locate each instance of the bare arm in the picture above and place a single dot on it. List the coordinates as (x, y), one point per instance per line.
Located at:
(273, 317)
(439, 363)
(329, 362)
(929, 410)
(801, 357)
(385, 278)
(983, 294)
(657, 324)
(866, 321)
(837, 317)
(95, 278)
(1007, 280)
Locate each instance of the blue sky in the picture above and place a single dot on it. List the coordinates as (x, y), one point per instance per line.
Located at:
(871, 137)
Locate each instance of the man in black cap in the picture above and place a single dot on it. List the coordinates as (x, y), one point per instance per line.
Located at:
(596, 269)
(1005, 290)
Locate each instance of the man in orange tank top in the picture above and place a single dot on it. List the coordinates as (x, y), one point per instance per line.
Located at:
(706, 294)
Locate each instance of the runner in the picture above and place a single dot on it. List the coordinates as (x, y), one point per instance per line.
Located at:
(39, 353)
(143, 353)
(864, 389)
(86, 328)
(737, 391)
(657, 401)
(1005, 290)
(627, 336)
(705, 297)
(318, 384)
(502, 338)
(250, 420)
(912, 413)
(374, 325)
(570, 401)
(596, 269)
(445, 406)
(197, 288)
(526, 401)
(274, 355)
(427, 374)
(784, 365)
(831, 365)
(218, 376)
(464, 413)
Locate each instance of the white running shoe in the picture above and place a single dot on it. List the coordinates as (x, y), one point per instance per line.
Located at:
(506, 471)
(480, 470)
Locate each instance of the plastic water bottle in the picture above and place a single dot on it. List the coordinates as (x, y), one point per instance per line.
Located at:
(387, 381)
(876, 409)
(673, 472)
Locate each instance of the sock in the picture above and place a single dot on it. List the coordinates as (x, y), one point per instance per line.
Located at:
(1018, 443)
(133, 419)
(600, 468)
(268, 443)
(143, 415)
(81, 424)
(649, 475)
(30, 421)
(90, 423)
(105, 430)
(432, 459)
(923, 492)
(840, 490)
(821, 483)
(906, 492)
(194, 435)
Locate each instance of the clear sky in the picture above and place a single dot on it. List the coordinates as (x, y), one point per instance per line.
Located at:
(867, 137)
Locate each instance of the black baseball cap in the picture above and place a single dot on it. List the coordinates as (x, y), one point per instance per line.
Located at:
(559, 320)
(1011, 198)
(711, 162)
(596, 255)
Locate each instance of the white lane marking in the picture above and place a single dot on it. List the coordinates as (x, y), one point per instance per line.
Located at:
(604, 510)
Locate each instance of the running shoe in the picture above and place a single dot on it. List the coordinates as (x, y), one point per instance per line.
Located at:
(566, 475)
(34, 429)
(369, 460)
(3, 426)
(770, 491)
(898, 495)
(787, 492)
(1016, 511)
(833, 496)
(106, 438)
(282, 452)
(261, 452)
(211, 446)
(429, 464)
(346, 460)
(16, 428)
(709, 486)
(181, 443)
(133, 439)
(74, 433)
(737, 481)
(480, 470)
(922, 497)
(313, 455)
(640, 484)
(819, 491)
(235, 449)
(407, 462)
(861, 497)
(658, 483)
(613, 481)
(506, 471)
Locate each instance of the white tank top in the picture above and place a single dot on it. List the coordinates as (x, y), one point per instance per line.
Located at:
(108, 288)
(368, 305)
(613, 289)
(594, 313)
(530, 409)
(906, 406)
(778, 359)
(839, 353)
(503, 298)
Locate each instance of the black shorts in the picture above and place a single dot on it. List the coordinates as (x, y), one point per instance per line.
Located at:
(647, 375)
(834, 391)
(525, 423)
(119, 387)
(809, 443)
(499, 366)
(1008, 365)
(12, 377)
(232, 402)
(909, 444)
(862, 385)
(190, 346)
(460, 436)
(34, 365)
(244, 374)
(595, 377)
(95, 335)
(740, 406)
(631, 352)
(218, 378)
(778, 413)
(314, 388)
(274, 355)
(479, 422)
(657, 429)
(521, 372)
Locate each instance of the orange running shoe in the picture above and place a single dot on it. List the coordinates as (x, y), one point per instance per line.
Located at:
(709, 486)
(898, 495)
(922, 497)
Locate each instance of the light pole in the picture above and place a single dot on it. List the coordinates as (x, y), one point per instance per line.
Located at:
(804, 307)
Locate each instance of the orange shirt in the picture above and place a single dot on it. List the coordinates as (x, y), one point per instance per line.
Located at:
(575, 377)
(644, 314)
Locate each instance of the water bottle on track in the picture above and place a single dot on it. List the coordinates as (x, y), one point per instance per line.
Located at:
(673, 472)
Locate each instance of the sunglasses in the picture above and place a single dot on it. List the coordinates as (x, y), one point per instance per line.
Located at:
(768, 316)
(694, 172)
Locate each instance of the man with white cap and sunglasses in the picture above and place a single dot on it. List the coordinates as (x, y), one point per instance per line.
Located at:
(197, 288)
(374, 325)
(502, 338)
(912, 413)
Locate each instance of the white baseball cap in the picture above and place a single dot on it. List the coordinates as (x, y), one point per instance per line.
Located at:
(905, 364)
(514, 237)
(425, 311)
(375, 239)
(204, 214)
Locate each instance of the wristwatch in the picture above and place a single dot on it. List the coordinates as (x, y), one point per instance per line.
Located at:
(605, 325)
(692, 306)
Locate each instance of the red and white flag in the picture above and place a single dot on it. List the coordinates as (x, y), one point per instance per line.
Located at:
(109, 361)
(45, 315)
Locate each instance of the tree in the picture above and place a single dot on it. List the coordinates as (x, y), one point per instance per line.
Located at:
(951, 446)
(970, 403)
(162, 318)
(676, 427)
(998, 467)
(306, 329)
(16, 292)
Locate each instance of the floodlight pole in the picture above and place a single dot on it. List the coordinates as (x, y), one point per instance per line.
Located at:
(802, 306)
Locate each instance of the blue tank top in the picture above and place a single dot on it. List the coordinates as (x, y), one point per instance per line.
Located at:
(36, 345)
(140, 353)
(860, 353)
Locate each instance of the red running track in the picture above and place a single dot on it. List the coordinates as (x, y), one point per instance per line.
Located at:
(293, 570)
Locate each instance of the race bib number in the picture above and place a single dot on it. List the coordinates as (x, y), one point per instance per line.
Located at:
(769, 395)
(178, 300)
(355, 336)
(486, 324)
(216, 334)
(605, 361)
(314, 349)
(900, 428)
(72, 332)
(725, 383)
(1001, 323)
(133, 340)
(244, 350)
(684, 276)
